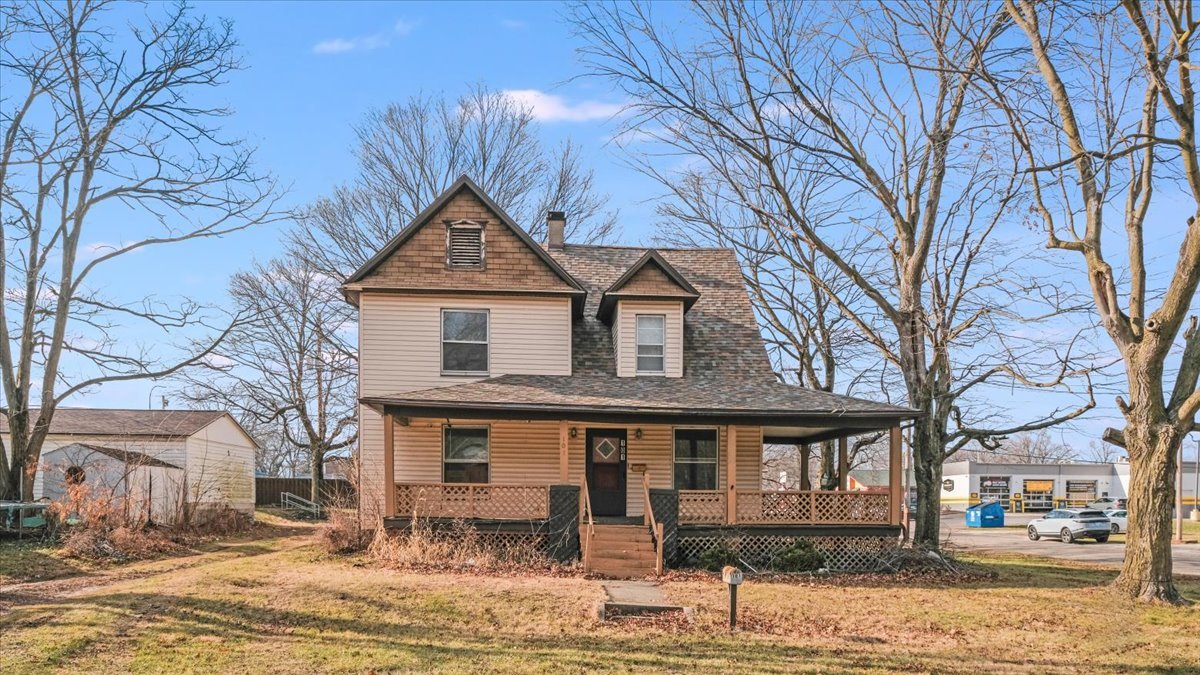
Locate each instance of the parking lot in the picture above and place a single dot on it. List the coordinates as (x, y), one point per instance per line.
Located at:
(1012, 539)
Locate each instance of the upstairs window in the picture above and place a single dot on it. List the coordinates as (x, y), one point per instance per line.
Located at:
(651, 343)
(465, 341)
(465, 454)
(695, 459)
(464, 244)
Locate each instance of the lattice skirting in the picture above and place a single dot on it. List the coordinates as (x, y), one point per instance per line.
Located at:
(842, 553)
(514, 540)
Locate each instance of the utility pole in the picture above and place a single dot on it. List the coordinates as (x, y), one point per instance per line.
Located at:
(1179, 498)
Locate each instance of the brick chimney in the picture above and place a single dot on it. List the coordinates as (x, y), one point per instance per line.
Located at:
(556, 225)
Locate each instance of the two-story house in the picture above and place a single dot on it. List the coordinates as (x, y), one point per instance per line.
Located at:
(613, 400)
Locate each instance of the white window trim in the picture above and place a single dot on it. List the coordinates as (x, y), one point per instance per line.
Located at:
(717, 432)
(485, 427)
(442, 342)
(637, 345)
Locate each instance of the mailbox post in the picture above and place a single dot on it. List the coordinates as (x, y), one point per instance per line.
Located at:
(732, 576)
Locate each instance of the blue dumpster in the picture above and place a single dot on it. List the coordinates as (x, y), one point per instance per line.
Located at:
(987, 514)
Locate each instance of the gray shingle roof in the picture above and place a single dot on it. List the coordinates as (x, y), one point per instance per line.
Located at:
(726, 369)
(720, 334)
(119, 422)
(723, 394)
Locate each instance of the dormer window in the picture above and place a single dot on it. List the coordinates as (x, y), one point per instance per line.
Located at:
(651, 344)
(464, 244)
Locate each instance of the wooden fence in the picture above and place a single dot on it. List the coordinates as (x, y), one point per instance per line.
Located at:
(337, 491)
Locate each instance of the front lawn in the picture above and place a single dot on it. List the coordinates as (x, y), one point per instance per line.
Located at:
(281, 606)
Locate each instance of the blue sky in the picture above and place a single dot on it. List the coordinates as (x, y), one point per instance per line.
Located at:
(314, 69)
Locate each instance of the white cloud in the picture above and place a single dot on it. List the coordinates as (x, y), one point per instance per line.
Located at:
(334, 46)
(514, 24)
(553, 108)
(364, 43)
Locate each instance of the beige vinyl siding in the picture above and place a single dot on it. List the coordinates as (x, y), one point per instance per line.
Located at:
(400, 350)
(526, 452)
(370, 464)
(220, 465)
(400, 345)
(625, 331)
(749, 458)
(521, 453)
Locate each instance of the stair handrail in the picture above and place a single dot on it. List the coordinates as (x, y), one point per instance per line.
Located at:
(289, 500)
(585, 508)
(656, 528)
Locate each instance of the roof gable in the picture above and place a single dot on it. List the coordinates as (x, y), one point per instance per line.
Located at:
(130, 457)
(416, 257)
(721, 334)
(650, 277)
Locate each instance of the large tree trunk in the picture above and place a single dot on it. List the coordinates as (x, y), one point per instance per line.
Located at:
(927, 469)
(316, 469)
(1153, 447)
(829, 466)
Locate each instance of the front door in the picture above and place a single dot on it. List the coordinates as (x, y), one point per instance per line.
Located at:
(606, 471)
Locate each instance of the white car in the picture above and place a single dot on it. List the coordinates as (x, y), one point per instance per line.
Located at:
(1067, 525)
(1119, 519)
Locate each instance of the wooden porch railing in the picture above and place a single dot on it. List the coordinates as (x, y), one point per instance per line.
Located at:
(765, 507)
(473, 500)
(656, 528)
(701, 507)
(587, 524)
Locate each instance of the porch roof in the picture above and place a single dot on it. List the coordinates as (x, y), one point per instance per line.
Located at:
(807, 414)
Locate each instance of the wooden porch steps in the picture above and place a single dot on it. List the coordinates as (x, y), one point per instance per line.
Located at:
(622, 551)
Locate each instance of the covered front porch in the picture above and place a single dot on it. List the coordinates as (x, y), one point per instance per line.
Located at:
(747, 504)
(499, 464)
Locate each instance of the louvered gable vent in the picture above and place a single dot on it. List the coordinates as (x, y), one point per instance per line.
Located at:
(464, 244)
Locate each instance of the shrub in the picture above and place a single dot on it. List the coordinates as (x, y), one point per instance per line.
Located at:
(799, 557)
(118, 544)
(717, 557)
(342, 534)
(460, 547)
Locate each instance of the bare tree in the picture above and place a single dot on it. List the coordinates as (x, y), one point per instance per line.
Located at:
(809, 338)
(410, 152)
(92, 130)
(1103, 106)
(866, 112)
(1102, 453)
(1034, 447)
(290, 369)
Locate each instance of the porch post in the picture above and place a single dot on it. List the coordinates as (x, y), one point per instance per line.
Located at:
(843, 464)
(895, 476)
(563, 453)
(805, 484)
(389, 464)
(731, 474)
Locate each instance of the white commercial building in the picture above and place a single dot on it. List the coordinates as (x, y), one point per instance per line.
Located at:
(1041, 487)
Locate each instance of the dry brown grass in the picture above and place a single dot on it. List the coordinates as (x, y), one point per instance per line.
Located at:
(279, 605)
(96, 525)
(342, 534)
(460, 547)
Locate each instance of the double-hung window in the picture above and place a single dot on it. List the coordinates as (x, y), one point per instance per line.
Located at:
(651, 343)
(695, 459)
(465, 454)
(464, 341)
